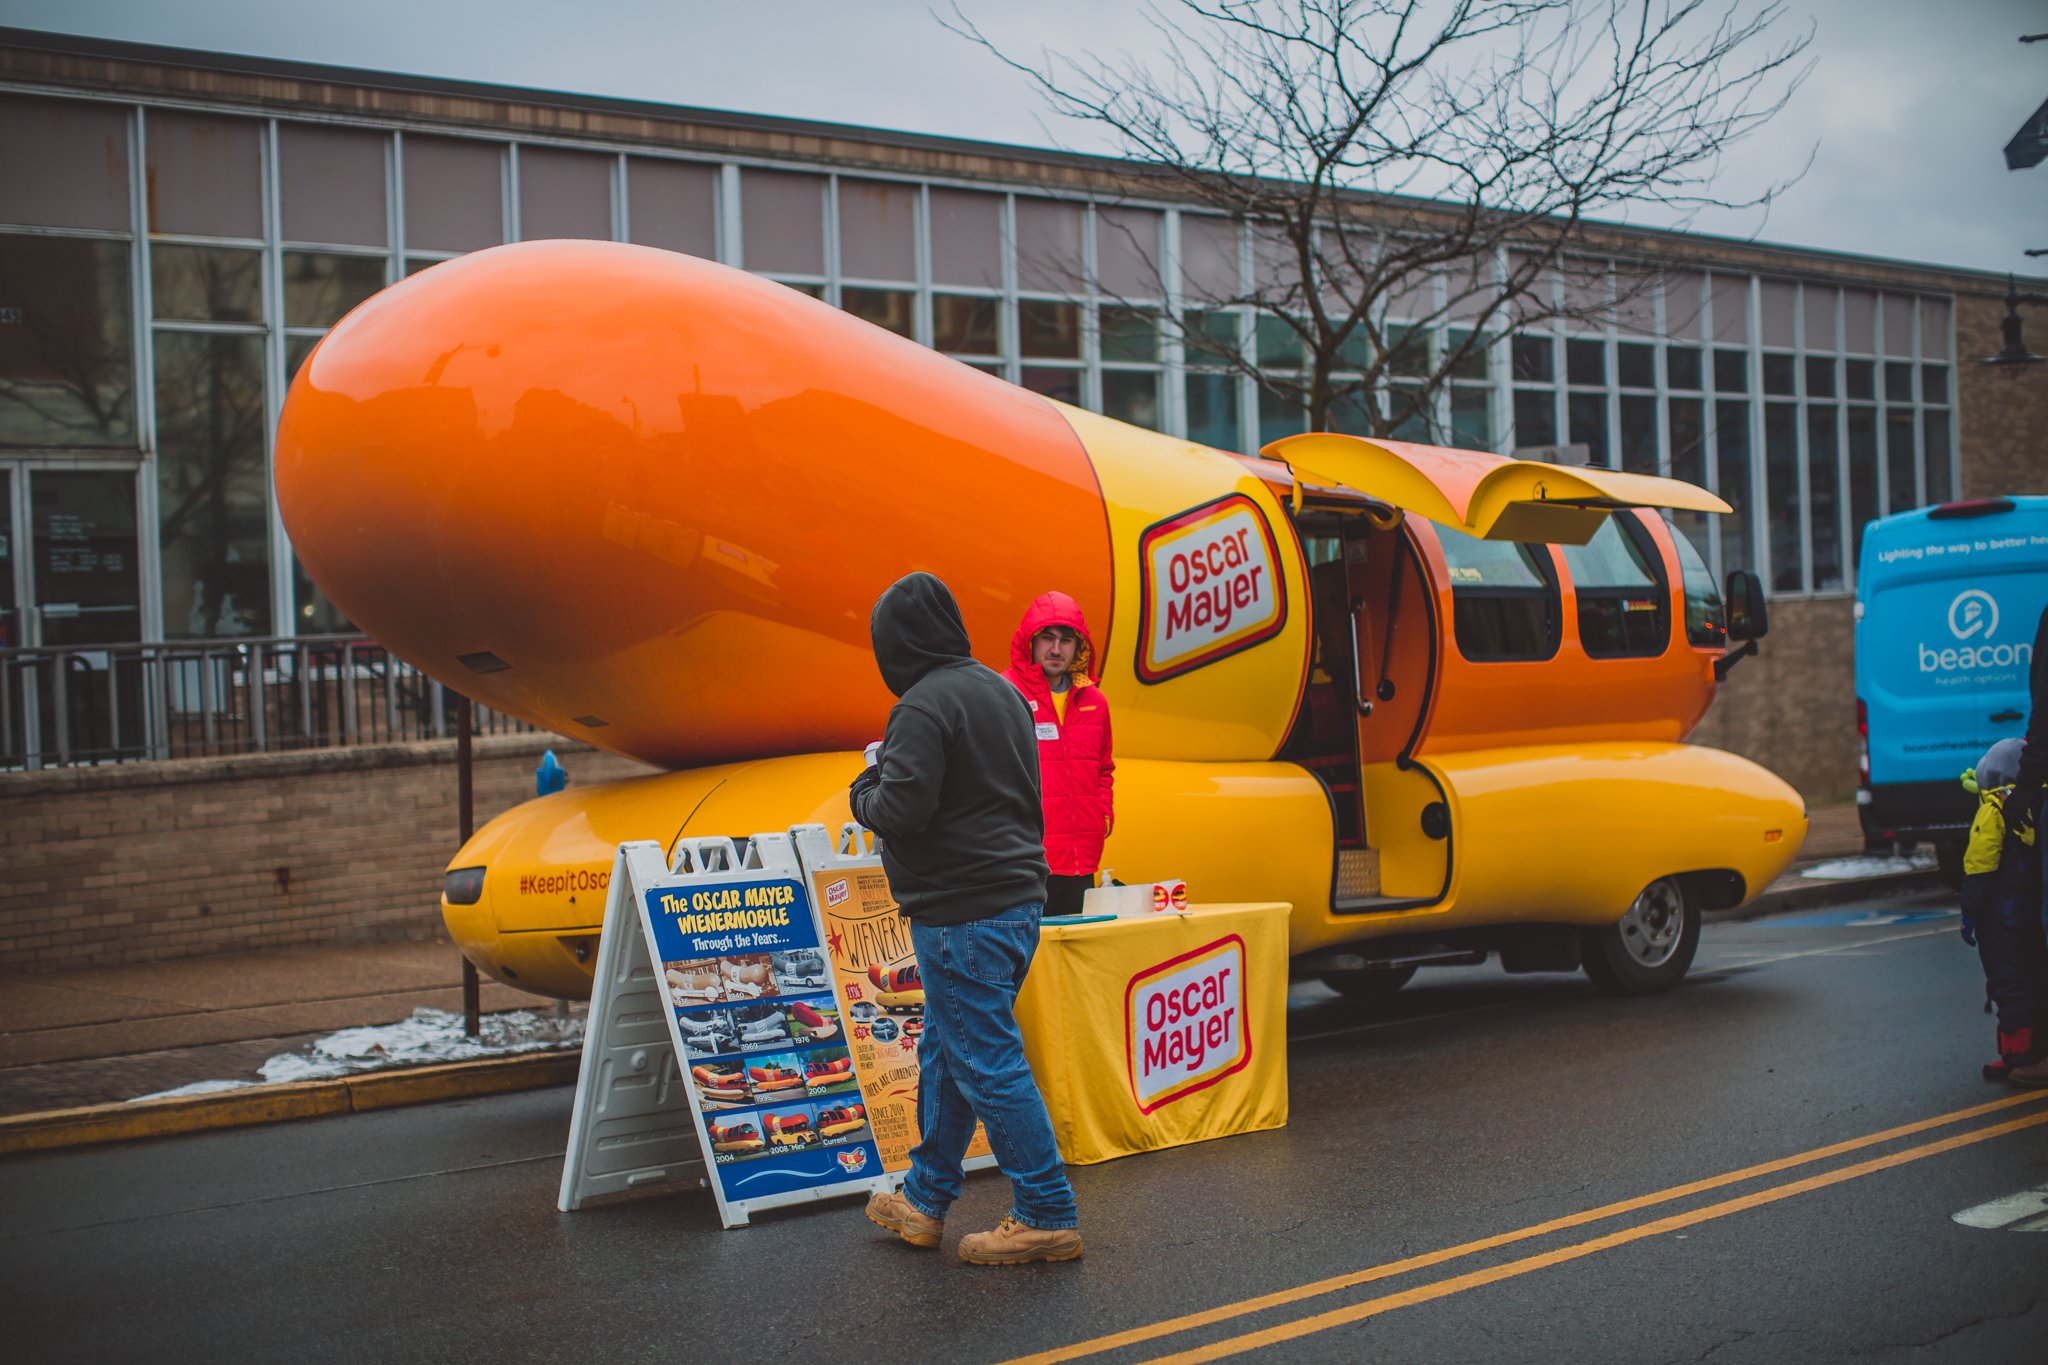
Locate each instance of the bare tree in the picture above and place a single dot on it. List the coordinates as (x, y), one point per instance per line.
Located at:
(1402, 164)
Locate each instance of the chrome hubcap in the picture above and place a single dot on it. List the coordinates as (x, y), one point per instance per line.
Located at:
(1653, 925)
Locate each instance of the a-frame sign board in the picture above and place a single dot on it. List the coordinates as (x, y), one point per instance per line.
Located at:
(718, 957)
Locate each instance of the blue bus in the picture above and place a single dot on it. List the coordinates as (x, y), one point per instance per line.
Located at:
(1947, 602)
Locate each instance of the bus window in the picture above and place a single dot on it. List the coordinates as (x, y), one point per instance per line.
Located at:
(1504, 599)
(1619, 581)
(1706, 625)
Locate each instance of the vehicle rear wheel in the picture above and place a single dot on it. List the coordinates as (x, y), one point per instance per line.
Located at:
(1650, 948)
(1369, 983)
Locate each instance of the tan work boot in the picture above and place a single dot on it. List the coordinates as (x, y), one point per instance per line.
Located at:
(900, 1216)
(1014, 1243)
(2033, 1073)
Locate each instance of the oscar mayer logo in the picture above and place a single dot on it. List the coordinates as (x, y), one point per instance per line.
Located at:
(1209, 586)
(1185, 1025)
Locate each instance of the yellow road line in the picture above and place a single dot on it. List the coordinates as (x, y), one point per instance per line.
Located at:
(1351, 1279)
(1338, 1317)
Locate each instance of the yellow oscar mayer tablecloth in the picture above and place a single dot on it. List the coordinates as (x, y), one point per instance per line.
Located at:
(1159, 1030)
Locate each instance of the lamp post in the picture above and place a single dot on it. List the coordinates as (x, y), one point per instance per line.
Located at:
(2014, 353)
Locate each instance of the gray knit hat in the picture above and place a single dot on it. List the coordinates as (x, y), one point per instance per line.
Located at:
(2000, 764)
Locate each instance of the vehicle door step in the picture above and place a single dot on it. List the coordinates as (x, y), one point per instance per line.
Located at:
(1358, 878)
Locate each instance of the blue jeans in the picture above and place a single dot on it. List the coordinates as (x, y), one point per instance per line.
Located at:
(971, 1065)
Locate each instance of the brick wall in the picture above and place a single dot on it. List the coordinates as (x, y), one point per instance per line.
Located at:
(163, 860)
(2003, 413)
(1793, 707)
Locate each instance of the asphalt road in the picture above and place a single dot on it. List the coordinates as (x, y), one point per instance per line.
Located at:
(1487, 1168)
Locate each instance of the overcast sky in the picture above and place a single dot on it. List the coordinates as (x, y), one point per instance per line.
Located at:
(1910, 102)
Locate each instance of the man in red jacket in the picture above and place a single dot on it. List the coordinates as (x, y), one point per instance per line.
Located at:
(1051, 657)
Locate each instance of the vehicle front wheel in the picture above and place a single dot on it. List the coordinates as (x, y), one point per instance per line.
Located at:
(1650, 948)
(1369, 983)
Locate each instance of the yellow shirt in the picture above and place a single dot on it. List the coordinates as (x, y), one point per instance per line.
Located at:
(1059, 704)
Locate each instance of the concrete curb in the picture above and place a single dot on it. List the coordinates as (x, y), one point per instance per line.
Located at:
(1816, 894)
(100, 1123)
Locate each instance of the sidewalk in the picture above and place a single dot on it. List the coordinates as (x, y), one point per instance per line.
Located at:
(114, 1033)
(103, 1036)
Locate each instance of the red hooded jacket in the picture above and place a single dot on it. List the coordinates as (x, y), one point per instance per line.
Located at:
(1076, 770)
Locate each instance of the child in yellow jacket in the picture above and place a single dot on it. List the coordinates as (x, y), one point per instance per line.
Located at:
(2000, 893)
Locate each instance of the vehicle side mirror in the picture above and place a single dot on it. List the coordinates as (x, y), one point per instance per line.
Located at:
(1749, 618)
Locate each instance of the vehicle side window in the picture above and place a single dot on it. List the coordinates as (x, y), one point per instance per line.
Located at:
(1504, 598)
(1623, 599)
(1706, 624)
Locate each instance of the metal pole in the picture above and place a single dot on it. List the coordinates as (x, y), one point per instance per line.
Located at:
(465, 815)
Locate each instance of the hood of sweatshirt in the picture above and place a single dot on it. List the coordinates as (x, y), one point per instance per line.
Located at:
(1053, 609)
(916, 628)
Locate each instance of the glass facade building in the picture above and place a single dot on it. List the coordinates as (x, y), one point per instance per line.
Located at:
(166, 263)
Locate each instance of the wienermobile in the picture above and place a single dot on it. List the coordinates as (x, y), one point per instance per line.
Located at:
(1436, 700)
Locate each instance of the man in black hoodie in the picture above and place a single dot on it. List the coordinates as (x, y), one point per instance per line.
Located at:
(953, 794)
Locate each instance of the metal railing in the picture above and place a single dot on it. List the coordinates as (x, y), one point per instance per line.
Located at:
(93, 704)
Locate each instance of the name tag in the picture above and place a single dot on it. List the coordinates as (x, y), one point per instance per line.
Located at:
(1048, 730)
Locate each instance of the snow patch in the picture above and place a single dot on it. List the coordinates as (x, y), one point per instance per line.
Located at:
(196, 1088)
(1870, 865)
(425, 1037)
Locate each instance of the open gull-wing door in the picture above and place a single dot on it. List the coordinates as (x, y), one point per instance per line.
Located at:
(1484, 495)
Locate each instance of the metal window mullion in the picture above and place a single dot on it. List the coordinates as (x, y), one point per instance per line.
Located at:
(1610, 346)
(831, 232)
(1710, 419)
(1091, 321)
(1438, 341)
(1759, 522)
(394, 201)
(148, 472)
(77, 234)
(1802, 479)
(1246, 319)
(923, 327)
(1955, 459)
(1880, 407)
(1920, 410)
(622, 204)
(508, 192)
(1172, 347)
(1560, 382)
(1500, 357)
(203, 328)
(731, 240)
(1845, 496)
(1008, 333)
(1660, 343)
(283, 594)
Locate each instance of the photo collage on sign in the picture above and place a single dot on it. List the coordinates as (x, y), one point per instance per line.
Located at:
(767, 1053)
